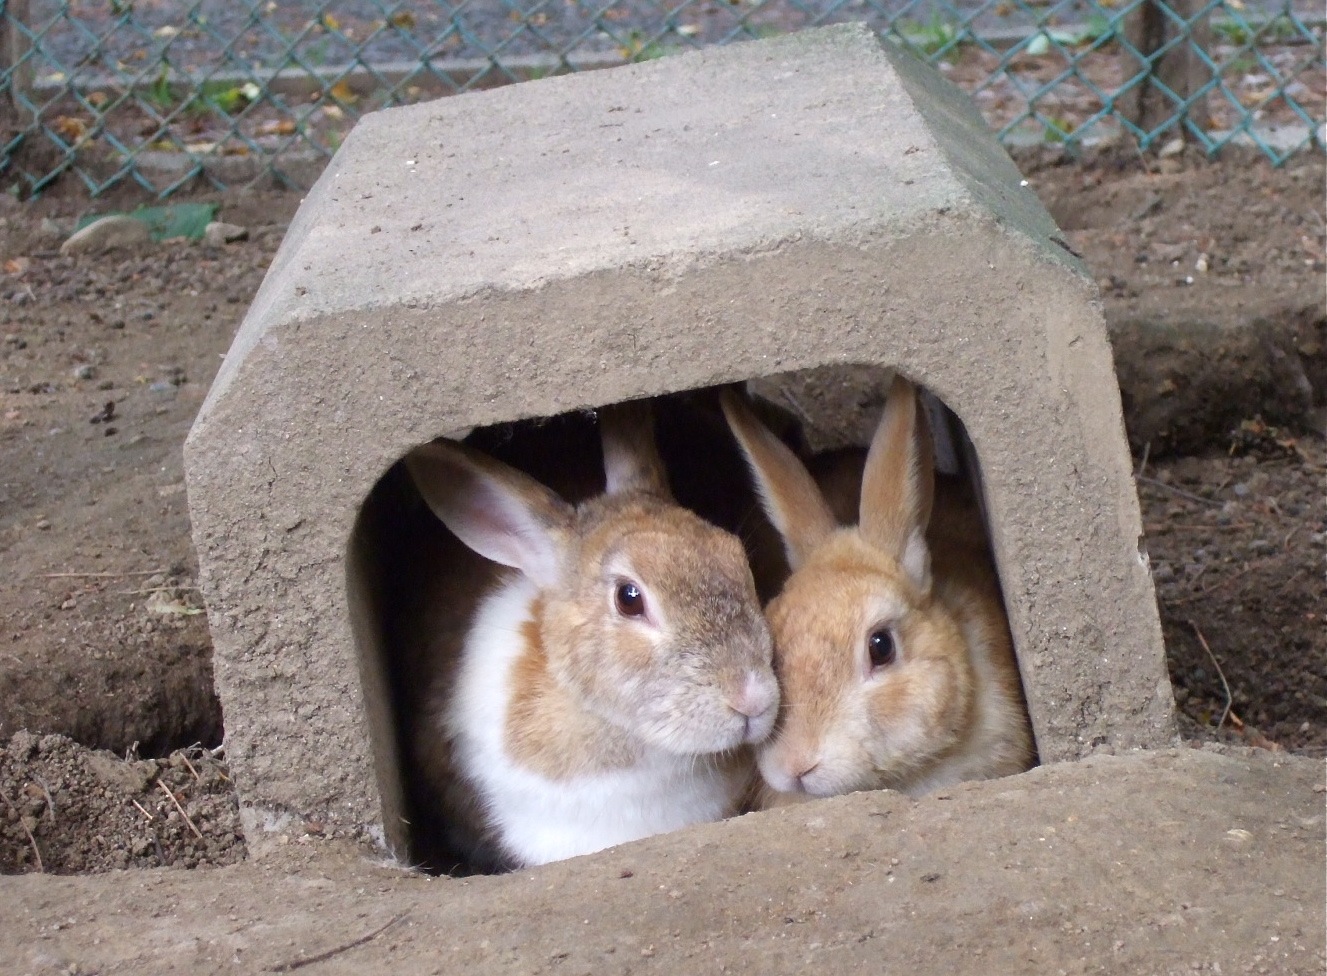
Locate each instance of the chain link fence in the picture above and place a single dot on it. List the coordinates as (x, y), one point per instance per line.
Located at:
(167, 93)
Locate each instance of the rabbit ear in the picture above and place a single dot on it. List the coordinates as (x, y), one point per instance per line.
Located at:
(499, 512)
(898, 484)
(631, 458)
(788, 493)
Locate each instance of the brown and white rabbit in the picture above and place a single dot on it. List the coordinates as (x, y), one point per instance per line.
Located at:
(611, 679)
(893, 650)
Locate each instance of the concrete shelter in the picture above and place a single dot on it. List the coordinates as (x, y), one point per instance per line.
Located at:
(821, 199)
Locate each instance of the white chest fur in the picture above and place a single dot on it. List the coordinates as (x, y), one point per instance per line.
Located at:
(537, 819)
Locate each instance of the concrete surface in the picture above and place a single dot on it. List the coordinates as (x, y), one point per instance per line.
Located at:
(819, 199)
(1157, 863)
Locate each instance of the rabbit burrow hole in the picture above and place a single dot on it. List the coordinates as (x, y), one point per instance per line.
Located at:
(407, 573)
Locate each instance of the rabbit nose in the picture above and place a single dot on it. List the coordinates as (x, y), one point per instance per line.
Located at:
(756, 696)
(802, 767)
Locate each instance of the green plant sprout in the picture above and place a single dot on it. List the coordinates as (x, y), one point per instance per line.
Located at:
(930, 38)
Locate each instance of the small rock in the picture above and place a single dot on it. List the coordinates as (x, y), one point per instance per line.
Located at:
(43, 524)
(49, 228)
(85, 372)
(162, 387)
(23, 745)
(1172, 148)
(217, 233)
(108, 233)
(131, 777)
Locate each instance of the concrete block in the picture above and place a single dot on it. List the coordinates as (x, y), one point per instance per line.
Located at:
(821, 199)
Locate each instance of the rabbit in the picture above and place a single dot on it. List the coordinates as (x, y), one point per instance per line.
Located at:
(891, 643)
(615, 672)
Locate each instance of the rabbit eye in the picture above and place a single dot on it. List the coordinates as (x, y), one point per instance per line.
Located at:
(630, 600)
(880, 646)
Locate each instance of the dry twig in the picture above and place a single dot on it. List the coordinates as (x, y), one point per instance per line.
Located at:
(36, 851)
(191, 767)
(143, 810)
(1256, 564)
(1293, 576)
(795, 405)
(166, 789)
(1230, 700)
(300, 963)
(115, 575)
(1179, 491)
(149, 590)
(1159, 527)
(50, 801)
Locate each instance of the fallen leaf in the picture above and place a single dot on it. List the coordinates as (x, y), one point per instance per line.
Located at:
(160, 602)
(71, 127)
(17, 266)
(403, 19)
(280, 127)
(343, 93)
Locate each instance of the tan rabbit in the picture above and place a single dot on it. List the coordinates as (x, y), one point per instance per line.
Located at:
(891, 643)
(610, 680)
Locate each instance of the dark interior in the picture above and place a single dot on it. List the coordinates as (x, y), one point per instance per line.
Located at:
(404, 563)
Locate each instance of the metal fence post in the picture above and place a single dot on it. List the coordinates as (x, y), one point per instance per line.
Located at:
(14, 47)
(16, 68)
(1173, 62)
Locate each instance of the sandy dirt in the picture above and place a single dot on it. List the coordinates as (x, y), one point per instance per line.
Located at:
(104, 361)
(1162, 863)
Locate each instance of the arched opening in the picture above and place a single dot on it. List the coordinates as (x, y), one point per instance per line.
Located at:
(413, 583)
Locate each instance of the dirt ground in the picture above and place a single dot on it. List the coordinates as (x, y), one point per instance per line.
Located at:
(1162, 863)
(104, 361)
